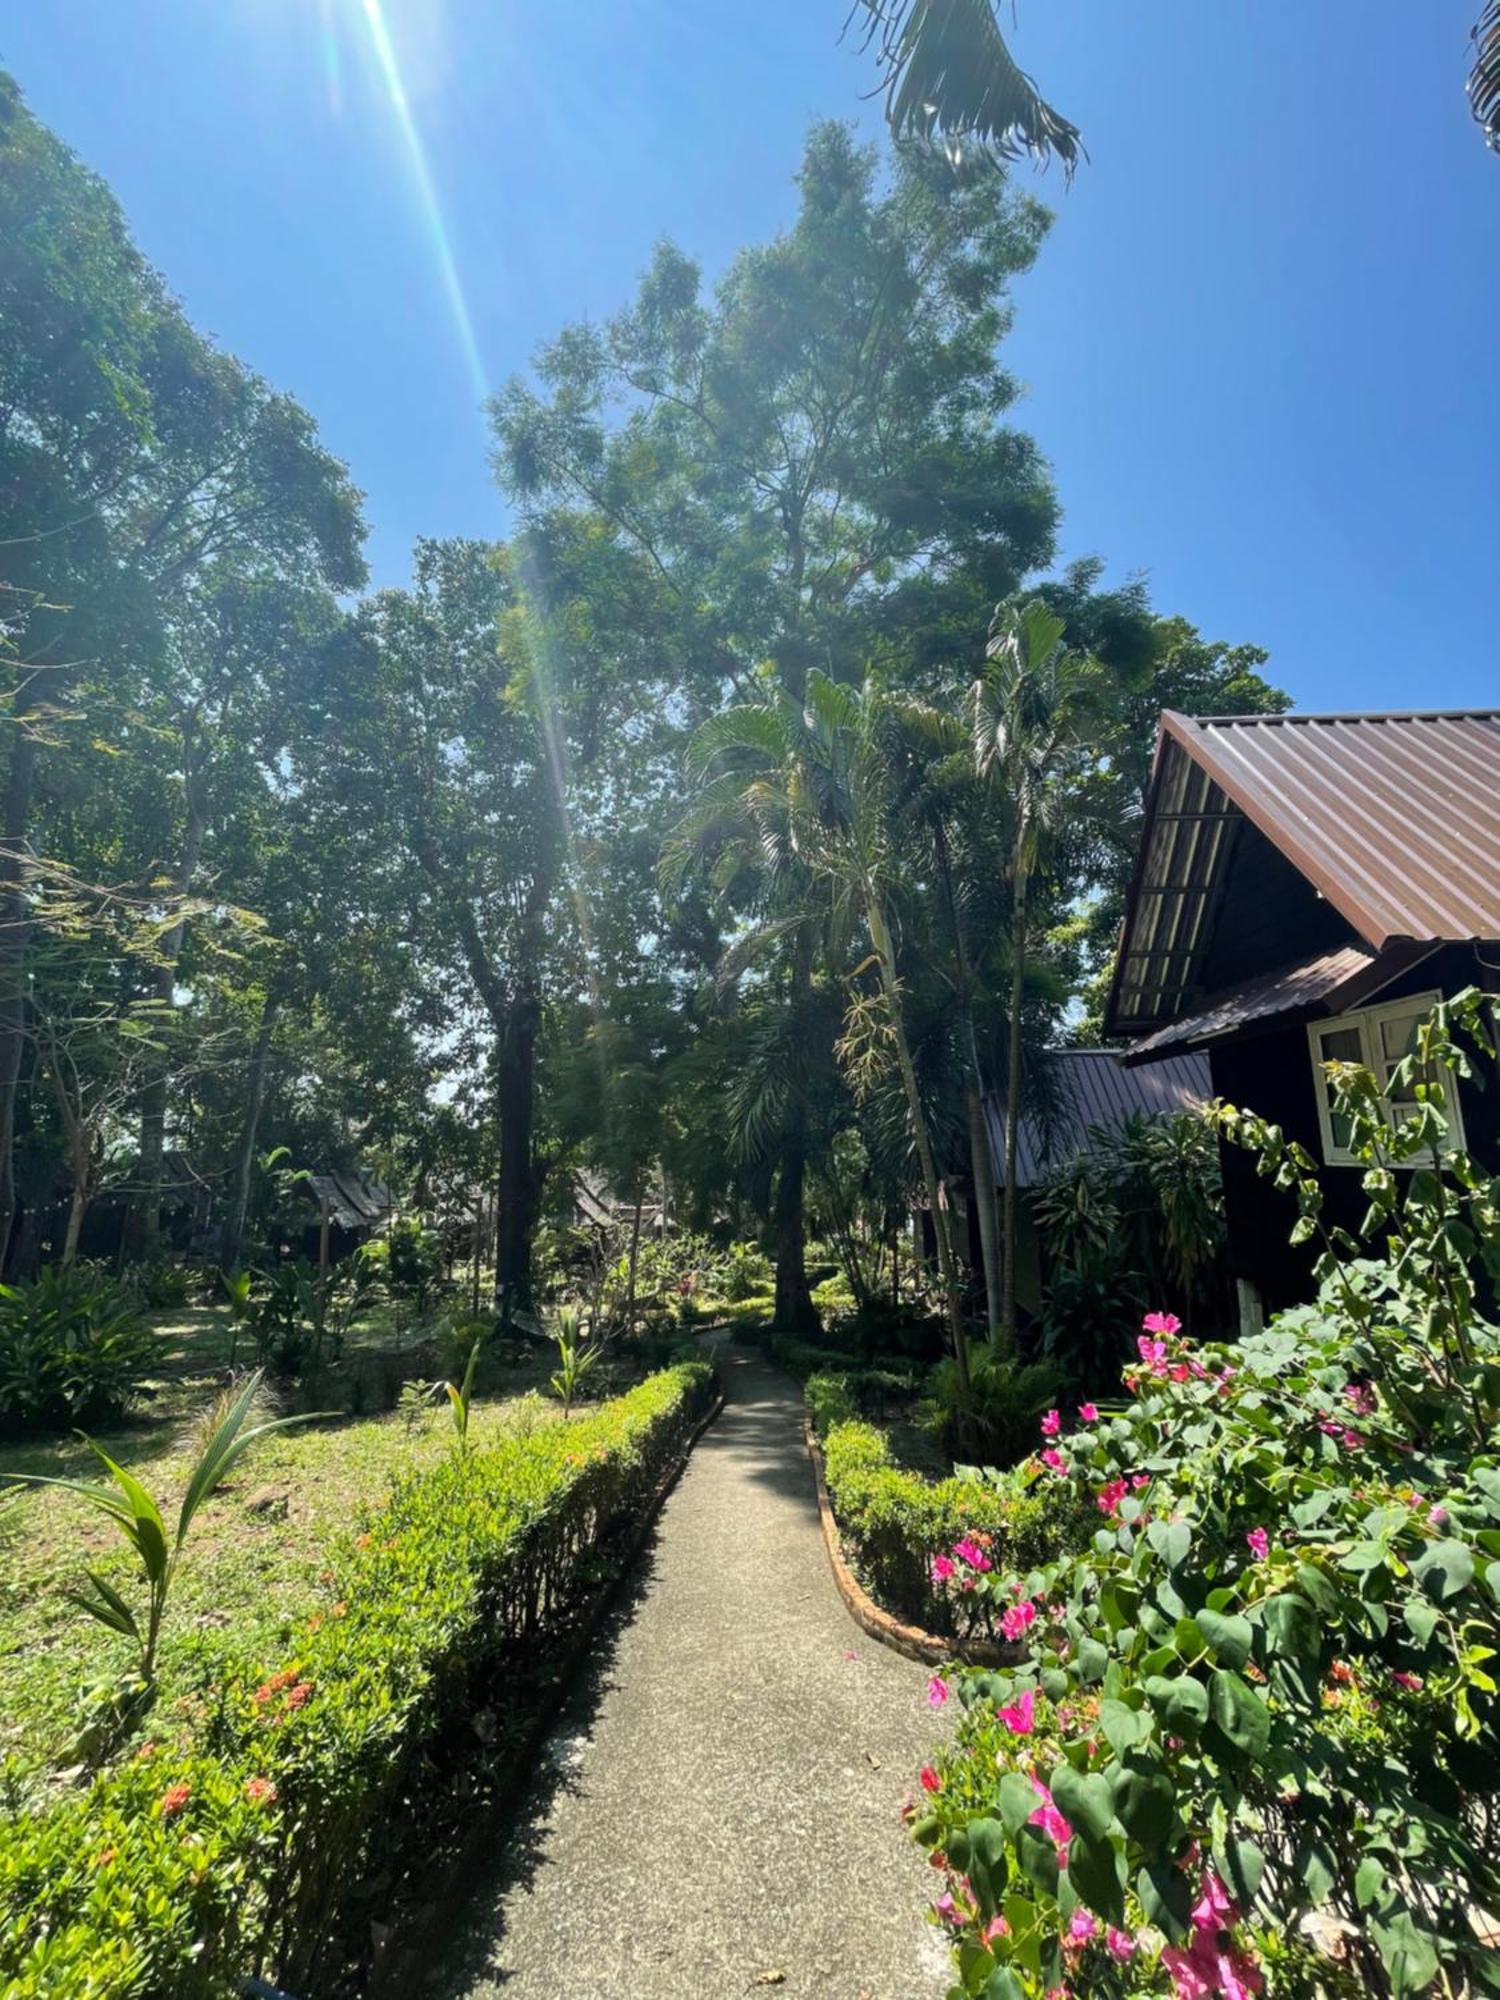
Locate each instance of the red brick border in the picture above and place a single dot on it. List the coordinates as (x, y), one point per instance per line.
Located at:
(862, 1608)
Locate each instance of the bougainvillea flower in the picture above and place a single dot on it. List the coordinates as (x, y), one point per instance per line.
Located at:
(1052, 1423)
(968, 1551)
(946, 1908)
(1082, 1927)
(1438, 1516)
(1164, 1323)
(1260, 1543)
(930, 1781)
(997, 1927)
(1018, 1715)
(937, 1691)
(1121, 1944)
(173, 1799)
(1413, 1683)
(1016, 1619)
(942, 1568)
(1054, 1460)
(1362, 1397)
(1051, 1821)
(1110, 1496)
(1140, 1479)
(1088, 1413)
(1153, 1353)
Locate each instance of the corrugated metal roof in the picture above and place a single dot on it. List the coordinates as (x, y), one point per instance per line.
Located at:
(1090, 1090)
(1395, 818)
(355, 1200)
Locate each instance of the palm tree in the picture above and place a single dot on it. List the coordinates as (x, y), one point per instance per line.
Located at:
(812, 781)
(1484, 78)
(1038, 710)
(951, 81)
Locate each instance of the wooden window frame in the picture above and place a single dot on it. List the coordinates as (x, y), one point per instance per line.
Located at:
(1365, 1021)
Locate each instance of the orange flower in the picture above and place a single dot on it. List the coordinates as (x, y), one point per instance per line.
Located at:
(260, 1791)
(173, 1799)
(296, 1696)
(363, 1542)
(105, 1855)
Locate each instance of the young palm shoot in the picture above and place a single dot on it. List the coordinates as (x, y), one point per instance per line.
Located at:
(461, 1398)
(575, 1357)
(135, 1512)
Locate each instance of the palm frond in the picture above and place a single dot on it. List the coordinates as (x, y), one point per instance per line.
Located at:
(951, 82)
(1484, 78)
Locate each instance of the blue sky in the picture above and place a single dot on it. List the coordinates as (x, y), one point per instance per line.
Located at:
(1259, 342)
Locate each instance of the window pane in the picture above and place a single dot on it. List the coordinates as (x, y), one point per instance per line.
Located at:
(1398, 1035)
(1340, 1045)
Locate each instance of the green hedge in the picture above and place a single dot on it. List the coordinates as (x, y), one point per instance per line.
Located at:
(231, 1849)
(894, 1522)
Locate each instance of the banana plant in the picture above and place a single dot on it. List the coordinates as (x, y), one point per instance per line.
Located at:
(139, 1518)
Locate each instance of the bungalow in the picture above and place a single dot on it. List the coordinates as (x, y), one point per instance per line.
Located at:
(1307, 886)
(1080, 1100)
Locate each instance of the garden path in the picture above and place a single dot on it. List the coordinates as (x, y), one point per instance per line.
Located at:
(717, 1813)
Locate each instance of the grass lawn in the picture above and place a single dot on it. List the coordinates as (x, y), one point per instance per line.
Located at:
(252, 1573)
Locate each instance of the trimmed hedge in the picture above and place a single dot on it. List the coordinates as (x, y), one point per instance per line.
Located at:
(895, 1522)
(230, 1851)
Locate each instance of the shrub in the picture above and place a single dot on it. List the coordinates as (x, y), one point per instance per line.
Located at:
(994, 1418)
(745, 1273)
(162, 1286)
(413, 1261)
(1255, 1741)
(898, 1524)
(230, 1849)
(74, 1348)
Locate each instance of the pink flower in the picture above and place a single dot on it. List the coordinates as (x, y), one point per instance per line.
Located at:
(947, 1909)
(1110, 1496)
(1055, 1462)
(937, 1691)
(1088, 1413)
(1139, 1479)
(1015, 1621)
(1121, 1945)
(1153, 1353)
(930, 1780)
(997, 1927)
(1438, 1516)
(1413, 1683)
(1165, 1323)
(1017, 1717)
(969, 1551)
(1082, 1927)
(1352, 1440)
(1206, 1971)
(942, 1568)
(1361, 1397)
(1179, 1371)
(1260, 1544)
(1051, 1424)
(1051, 1821)
(1213, 1909)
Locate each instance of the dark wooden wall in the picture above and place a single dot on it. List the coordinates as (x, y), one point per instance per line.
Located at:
(1271, 1073)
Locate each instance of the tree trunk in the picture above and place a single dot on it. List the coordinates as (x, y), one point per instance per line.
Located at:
(144, 1220)
(635, 1258)
(1013, 1105)
(942, 1230)
(794, 1310)
(76, 1207)
(244, 1160)
(987, 1201)
(518, 1178)
(15, 940)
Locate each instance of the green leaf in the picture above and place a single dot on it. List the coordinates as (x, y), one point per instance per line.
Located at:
(1410, 1958)
(1240, 1713)
(1318, 1866)
(1093, 1871)
(1038, 1859)
(1166, 1897)
(1444, 1568)
(1180, 1701)
(1090, 1661)
(145, 1525)
(1292, 1626)
(1123, 1727)
(1171, 1540)
(107, 1606)
(1421, 1619)
(1241, 1864)
(1003, 1984)
(1083, 1799)
(1145, 1800)
(988, 1866)
(1229, 1637)
(1018, 1801)
(1369, 1881)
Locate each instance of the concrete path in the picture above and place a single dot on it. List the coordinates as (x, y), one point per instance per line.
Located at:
(719, 1811)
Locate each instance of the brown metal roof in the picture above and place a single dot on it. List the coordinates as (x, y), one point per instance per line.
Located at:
(1325, 983)
(1090, 1092)
(1394, 819)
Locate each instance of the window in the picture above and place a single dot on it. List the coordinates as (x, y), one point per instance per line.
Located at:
(1378, 1037)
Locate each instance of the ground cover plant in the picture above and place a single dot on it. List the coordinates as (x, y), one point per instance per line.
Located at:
(228, 1841)
(1251, 1741)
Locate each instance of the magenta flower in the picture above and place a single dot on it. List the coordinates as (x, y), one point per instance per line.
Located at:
(1110, 1496)
(1438, 1516)
(970, 1552)
(1260, 1544)
(1082, 1927)
(1015, 1621)
(1413, 1683)
(1140, 1479)
(997, 1927)
(1361, 1397)
(937, 1691)
(1088, 1413)
(1051, 1821)
(1153, 1353)
(942, 1568)
(1054, 1459)
(947, 1909)
(1051, 1423)
(930, 1780)
(1121, 1945)
(1163, 1323)
(1018, 1716)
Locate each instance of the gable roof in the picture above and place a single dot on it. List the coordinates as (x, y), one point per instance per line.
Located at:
(1090, 1092)
(1393, 818)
